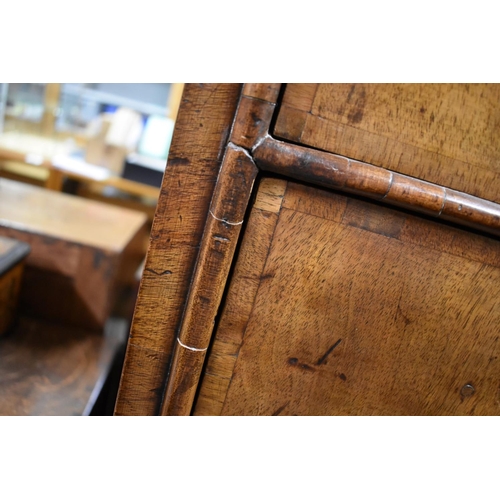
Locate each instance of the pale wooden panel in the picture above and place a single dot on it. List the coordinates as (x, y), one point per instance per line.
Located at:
(69, 218)
(443, 133)
(174, 99)
(270, 195)
(358, 310)
(314, 201)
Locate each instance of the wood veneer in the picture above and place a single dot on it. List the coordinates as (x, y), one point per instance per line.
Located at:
(411, 300)
(337, 307)
(446, 134)
(204, 121)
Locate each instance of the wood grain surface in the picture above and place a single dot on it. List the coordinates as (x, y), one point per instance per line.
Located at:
(443, 133)
(226, 217)
(264, 91)
(356, 309)
(254, 114)
(240, 298)
(335, 305)
(198, 145)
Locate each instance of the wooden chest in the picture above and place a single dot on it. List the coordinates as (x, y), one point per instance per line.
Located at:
(12, 257)
(323, 249)
(81, 250)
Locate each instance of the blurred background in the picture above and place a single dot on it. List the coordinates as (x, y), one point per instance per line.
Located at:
(81, 165)
(106, 141)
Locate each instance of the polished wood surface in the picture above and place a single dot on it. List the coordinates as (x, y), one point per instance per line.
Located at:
(226, 215)
(237, 308)
(255, 111)
(52, 370)
(198, 145)
(344, 309)
(443, 133)
(334, 304)
(356, 177)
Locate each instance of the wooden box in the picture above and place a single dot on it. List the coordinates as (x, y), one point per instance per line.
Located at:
(12, 258)
(82, 252)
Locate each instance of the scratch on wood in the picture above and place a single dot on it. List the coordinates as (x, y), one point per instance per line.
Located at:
(266, 277)
(157, 391)
(444, 203)
(280, 409)
(157, 273)
(230, 145)
(259, 141)
(306, 367)
(191, 348)
(209, 96)
(225, 221)
(391, 180)
(303, 366)
(327, 353)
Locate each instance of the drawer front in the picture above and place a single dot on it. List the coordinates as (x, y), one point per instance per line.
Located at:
(339, 306)
(442, 133)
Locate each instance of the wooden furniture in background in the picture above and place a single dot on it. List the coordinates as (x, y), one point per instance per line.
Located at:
(50, 108)
(12, 256)
(81, 251)
(34, 150)
(365, 278)
(46, 162)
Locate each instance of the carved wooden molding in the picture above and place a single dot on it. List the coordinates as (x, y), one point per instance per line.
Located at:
(224, 221)
(222, 229)
(337, 172)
